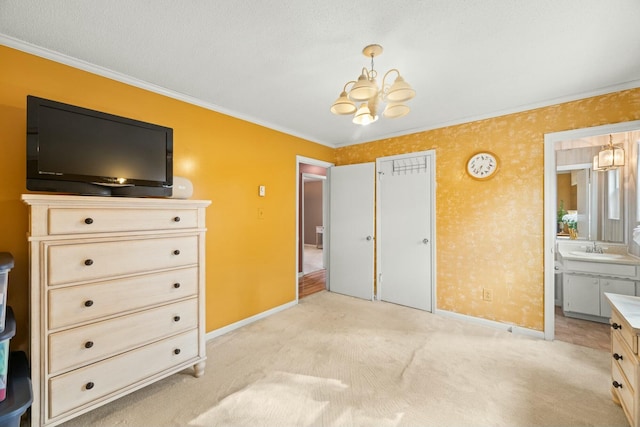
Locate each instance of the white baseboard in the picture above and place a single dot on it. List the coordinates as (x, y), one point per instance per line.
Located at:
(492, 324)
(225, 329)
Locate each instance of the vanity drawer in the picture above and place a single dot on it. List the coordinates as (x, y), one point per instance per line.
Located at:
(93, 382)
(625, 393)
(77, 304)
(622, 356)
(91, 220)
(601, 268)
(74, 262)
(620, 326)
(79, 346)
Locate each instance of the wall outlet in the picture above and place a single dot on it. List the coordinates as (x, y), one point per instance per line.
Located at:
(487, 294)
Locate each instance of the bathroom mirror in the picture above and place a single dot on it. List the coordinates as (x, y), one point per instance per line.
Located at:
(594, 201)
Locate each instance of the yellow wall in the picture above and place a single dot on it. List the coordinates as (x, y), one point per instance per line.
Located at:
(250, 261)
(490, 233)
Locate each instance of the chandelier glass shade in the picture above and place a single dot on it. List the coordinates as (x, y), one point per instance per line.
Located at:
(366, 92)
(610, 157)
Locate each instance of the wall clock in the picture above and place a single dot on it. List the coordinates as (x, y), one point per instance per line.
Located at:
(482, 165)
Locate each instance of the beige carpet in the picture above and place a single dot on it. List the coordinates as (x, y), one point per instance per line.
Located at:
(333, 360)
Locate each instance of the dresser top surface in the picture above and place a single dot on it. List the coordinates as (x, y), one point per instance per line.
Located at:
(628, 306)
(88, 201)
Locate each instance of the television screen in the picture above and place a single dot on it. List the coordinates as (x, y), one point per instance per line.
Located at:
(77, 150)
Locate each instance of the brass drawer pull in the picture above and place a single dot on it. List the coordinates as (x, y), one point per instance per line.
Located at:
(88, 344)
(88, 303)
(176, 219)
(176, 318)
(176, 252)
(88, 221)
(617, 356)
(89, 385)
(176, 351)
(616, 384)
(88, 262)
(176, 285)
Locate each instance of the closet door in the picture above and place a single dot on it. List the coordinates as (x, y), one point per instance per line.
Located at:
(405, 236)
(351, 229)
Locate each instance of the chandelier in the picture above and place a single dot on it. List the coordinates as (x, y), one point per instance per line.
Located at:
(610, 157)
(366, 92)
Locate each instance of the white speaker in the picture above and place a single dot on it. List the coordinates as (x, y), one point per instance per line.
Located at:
(182, 188)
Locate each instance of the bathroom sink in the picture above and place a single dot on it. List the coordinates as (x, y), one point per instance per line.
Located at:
(595, 255)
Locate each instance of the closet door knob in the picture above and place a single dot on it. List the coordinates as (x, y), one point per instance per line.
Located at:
(617, 356)
(616, 384)
(88, 344)
(176, 351)
(88, 220)
(176, 219)
(88, 262)
(176, 252)
(89, 385)
(88, 303)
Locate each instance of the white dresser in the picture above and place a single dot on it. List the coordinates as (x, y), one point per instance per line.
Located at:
(116, 298)
(625, 362)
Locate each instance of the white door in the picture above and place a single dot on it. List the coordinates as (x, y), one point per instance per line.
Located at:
(351, 229)
(405, 222)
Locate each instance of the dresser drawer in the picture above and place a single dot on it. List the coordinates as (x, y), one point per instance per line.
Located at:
(77, 304)
(620, 325)
(68, 263)
(91, 220)
(626, 396)
(93, 382)
(623, 357)
(80, 346)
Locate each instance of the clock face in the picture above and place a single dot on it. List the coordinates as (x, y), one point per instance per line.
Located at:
(482, 165)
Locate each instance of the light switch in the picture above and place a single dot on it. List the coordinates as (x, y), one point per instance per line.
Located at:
(261, 191)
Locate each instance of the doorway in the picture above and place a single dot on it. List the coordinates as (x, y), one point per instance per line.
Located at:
(551, 210)
(310, 219)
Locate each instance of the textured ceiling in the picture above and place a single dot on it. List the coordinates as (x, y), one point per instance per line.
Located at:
(283, 63)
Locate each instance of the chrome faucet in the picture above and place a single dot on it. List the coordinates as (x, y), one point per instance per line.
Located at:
(595, 248)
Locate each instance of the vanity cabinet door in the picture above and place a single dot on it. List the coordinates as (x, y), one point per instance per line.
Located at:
(613, 286)
(581, 294)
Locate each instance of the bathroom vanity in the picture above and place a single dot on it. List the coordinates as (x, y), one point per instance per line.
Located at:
(589, 274)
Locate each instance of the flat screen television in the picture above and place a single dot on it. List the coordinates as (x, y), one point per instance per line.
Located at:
(80, 151)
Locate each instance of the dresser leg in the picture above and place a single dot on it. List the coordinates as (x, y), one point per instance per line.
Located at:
(198, 369)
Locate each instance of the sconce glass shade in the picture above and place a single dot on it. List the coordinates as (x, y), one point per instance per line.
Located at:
(343, 105)
(363, 115)
(596, 165)
(611, 157)
(400, 91)
(364, 89)
(395, 110)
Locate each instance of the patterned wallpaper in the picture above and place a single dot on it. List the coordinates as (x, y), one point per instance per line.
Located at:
(490, 233)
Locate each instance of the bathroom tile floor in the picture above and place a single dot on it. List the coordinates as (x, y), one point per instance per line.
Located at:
(582, 332)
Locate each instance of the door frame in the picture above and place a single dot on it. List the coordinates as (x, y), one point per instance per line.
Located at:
(550, 216)
(431, 161)
(325, 242)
